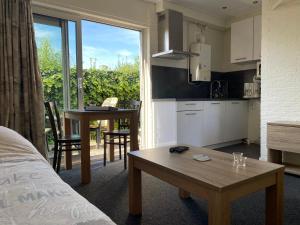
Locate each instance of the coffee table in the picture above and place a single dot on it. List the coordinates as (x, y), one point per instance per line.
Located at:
(217, 180)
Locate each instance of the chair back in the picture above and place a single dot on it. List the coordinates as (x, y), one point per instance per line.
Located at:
(110, 102)
(132, 104)
(54, 118)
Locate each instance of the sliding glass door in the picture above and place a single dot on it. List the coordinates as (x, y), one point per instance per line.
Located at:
(83, 62)
(111, 62)
(57, 54)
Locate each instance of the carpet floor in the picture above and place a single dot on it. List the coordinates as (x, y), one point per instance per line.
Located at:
(161, 204)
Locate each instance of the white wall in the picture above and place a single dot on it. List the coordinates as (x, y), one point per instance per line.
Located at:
(280, 66)
(133, 11)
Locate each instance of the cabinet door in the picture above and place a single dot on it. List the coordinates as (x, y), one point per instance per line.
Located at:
(257, 38)
(236, 117)
(190, 128)
(242, 41)
(165, 123)
(214, 122)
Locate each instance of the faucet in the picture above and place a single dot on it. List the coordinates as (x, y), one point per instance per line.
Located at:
(216, 91)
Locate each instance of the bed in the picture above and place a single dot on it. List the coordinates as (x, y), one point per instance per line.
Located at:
(31, 193)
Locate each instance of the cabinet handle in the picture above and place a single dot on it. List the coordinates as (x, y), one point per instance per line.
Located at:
(243, 58)
(235, 103)
(215, 103)
(190, 114)
(190, 104)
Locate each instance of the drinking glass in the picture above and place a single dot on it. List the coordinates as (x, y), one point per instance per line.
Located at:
(237, 157)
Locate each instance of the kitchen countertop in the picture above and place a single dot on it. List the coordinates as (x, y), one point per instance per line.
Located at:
(199, 99)
(211, 99)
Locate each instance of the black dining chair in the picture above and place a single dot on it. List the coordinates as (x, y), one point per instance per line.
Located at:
(61, 143)
(122, 135)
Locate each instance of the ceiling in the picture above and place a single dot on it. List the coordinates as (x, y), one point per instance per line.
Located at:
(235, 8)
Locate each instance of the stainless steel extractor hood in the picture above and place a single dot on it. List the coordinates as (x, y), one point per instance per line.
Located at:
(170, 36)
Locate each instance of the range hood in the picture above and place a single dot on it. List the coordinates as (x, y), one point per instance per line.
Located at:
(170, 36)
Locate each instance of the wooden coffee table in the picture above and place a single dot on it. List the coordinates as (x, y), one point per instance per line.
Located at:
(217, 180)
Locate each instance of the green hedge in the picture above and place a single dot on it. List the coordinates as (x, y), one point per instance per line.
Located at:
(121, 82)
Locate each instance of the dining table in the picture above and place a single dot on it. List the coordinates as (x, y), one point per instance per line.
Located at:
(84, 117)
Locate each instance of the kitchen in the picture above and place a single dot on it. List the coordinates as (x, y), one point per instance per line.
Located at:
(209, 92)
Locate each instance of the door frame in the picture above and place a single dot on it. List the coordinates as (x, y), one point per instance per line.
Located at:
(147, 136)
(63, 24)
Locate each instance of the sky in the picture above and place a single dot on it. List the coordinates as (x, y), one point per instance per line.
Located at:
(101, 44)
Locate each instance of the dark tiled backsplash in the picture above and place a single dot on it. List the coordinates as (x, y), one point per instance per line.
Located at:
(168, 82)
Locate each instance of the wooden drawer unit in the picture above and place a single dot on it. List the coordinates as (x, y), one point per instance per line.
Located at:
(283, 137)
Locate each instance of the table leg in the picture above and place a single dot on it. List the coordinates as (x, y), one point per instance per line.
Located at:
(111, 146)
(274, 201)
(183, 194)
(85, 152)
(68, 154)
(218, 209)
(134, 131)
(135, 188)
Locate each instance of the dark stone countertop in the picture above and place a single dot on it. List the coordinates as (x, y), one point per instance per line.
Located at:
(210, 99)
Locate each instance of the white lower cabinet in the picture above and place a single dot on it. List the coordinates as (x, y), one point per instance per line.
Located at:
(190, 128)
(236, 119)
(213, 123)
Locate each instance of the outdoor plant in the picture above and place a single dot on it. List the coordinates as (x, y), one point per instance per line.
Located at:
(99, 83)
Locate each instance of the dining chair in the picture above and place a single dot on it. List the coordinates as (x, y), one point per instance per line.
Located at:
(108, 102)
(61, 143)
(122, 134)
(132, 104)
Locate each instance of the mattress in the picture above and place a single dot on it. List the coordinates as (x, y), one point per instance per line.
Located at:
(31, 193)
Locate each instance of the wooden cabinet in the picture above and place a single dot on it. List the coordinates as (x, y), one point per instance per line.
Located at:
(214, 122)
(283, 137)
(257, 38)
(246, 40)
(242, 41)
(236, 117)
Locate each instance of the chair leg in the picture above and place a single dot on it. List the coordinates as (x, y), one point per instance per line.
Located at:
(125, 152)
(120, 147)
(46, 140)
(104, 160)
(55, 155)
(59, 159)
(98, 137)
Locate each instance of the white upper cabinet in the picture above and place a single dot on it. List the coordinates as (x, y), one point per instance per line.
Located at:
(242, 41)
(257, 38)
(246, 40)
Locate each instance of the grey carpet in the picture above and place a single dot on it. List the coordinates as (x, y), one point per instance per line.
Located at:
(161, 204)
